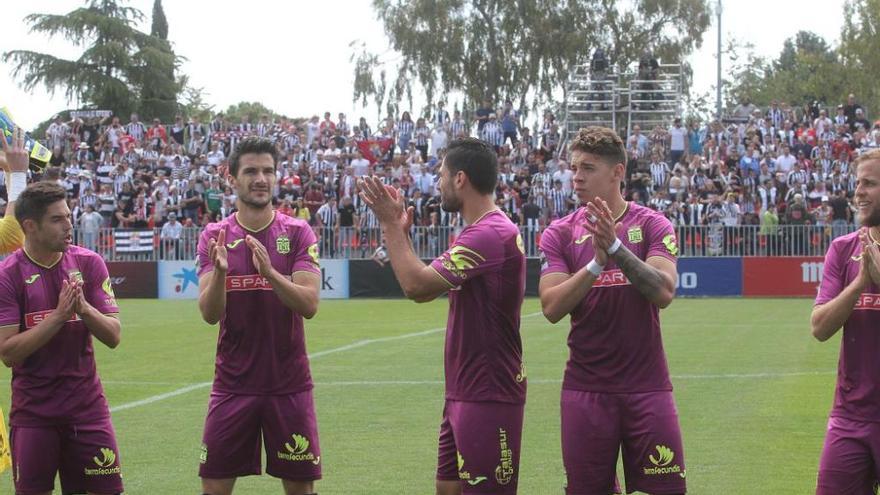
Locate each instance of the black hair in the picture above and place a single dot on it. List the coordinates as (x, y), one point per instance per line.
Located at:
(252, 145)
(476, 159)
(36, 199)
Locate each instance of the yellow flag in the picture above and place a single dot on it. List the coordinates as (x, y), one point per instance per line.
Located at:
(5, 454)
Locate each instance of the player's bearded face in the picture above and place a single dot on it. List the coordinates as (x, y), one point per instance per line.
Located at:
(449, 199)
(867, 196)
(54, 232)
(255, 180)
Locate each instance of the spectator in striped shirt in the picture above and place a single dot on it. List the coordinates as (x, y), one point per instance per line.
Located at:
(422, 134)
(458, 127)
(660, 173)
(404, 131)
(492, 133)
(136, 128)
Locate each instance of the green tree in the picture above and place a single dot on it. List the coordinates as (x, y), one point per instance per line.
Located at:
(520, 49)
(807, 69)
(860, 51)
(118, 61)
(159, 28)
(253, 110)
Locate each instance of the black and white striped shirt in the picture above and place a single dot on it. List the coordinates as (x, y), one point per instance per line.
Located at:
(659, 173)
(137, 130)
(422, 135)
(405, 128)
(327, 214)
(458, 127)
(557, 202)
(493, 133)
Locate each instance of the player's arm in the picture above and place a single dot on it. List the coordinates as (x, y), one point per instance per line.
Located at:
(105, 328)
(829, 317)
(15, 163)
(300, 293)
(654, 278)
(419, 282)
(560, 293)
(212, 284)
(17, 346)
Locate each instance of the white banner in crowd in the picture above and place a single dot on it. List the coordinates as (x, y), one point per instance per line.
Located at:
(89, 114)
(180, 279)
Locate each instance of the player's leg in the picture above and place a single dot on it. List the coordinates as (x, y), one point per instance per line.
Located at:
(230, 443)
(590, 442)
(447, 481)
(488, 437)
(36, 455)
(290, 433)
(845, 466)
(653, 452)
(90, 460)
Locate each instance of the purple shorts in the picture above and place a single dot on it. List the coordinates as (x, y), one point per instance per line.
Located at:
(237, 425)
(594, 427)
(84, 456)
(479, 445)
(850, 461)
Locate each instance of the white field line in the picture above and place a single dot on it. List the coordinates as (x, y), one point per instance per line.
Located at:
(361, 343)
(535, 381)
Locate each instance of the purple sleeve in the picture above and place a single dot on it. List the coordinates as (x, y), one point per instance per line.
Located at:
(476, 251)
(307, 258)
(10, 312)
(661, 239)
(205, 264)
(552, 257)
(99, 289)
(832, 276)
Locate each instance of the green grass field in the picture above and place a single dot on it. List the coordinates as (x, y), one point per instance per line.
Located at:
(753, 390)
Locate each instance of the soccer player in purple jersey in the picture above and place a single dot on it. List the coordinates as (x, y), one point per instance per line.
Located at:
(53, 298)
(849, 297)
(484, 274)
(259, 277)
(611, 266)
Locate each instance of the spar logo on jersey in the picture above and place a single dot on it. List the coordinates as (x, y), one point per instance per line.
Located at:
(662, 464)
(611, 278)
(298, 450)
(505, 469)
(242, 283)
(465, 475)
(33, 319)
(868, 302)
(104, 460)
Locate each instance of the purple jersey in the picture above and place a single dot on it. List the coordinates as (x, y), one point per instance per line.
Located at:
(858, 371)
(58, 383)
(486, 271)
(615, 338)
(262, 347)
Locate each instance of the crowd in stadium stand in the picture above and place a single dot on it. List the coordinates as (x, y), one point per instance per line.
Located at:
(764, 166)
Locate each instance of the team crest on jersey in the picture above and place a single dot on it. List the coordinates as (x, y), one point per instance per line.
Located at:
(75, 275)
(313, 253)
(634, 235)
(282, 244)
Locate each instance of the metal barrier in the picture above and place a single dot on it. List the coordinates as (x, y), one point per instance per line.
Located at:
(430, 242)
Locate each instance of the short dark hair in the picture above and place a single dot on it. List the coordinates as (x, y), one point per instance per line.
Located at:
(35, 200)
(252, 145)
(476, 159)
(600, 141)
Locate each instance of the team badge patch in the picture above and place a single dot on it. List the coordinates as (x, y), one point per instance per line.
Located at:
(282, 244)
(635, 235)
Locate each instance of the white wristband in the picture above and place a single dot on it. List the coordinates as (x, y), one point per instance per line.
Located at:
(17, 184)
(614, 247)
(594, 267)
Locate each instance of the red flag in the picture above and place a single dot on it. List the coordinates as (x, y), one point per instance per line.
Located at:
(374, 149)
